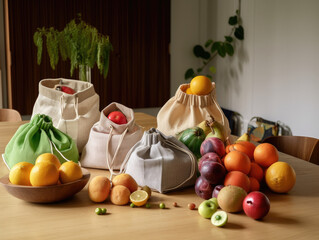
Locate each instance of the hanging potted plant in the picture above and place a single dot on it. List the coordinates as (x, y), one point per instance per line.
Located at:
(78, 42)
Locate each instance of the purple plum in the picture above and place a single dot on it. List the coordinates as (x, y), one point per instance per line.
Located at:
(213, 144)
(211, 156)
(203, 188)
(213, 172)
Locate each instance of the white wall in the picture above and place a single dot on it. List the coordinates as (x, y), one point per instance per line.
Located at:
(273, 72)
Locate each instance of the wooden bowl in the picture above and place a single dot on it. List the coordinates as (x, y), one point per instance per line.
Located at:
(46, 194)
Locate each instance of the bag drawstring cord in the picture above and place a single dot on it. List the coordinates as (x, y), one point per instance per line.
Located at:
(110, 165)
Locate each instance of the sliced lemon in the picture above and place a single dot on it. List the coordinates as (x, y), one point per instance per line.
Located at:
(139, 197)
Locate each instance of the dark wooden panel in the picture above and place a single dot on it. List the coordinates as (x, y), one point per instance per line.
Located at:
(139, 30)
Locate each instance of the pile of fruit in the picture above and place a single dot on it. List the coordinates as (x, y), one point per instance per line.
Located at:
(120, 191)
(46, 171)
(232, 176)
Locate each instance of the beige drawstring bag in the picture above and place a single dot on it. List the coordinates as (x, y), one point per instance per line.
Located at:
(161, 162)
(109, 142)
(186, 111)
(73, 114)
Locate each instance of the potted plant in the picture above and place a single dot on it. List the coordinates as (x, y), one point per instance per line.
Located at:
(211, 49)
(78, 42)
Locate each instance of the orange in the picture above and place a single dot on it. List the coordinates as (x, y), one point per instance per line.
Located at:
(20, 173)
(48, 157)
(245, 147)
(44, 174)
(69, 172)
(254, 184)
(120, 195)
(280, 177)
(237, 161)
(228, 148)
(201, 85)
(238, 179)
(188, 90)
(99, 188)
(125, 180)
(265, 154)
(256, 171)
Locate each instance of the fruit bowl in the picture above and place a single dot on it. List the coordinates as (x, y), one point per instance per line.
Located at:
(46, 194)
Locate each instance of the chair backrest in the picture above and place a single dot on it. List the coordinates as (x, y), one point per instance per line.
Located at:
(306, 148)
(9, 115)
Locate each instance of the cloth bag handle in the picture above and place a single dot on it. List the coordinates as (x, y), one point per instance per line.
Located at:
(108, 162)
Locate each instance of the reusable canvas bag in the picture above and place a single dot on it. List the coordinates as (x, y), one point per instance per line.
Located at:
(37, 137)
(161, 162)
(73, 114)
(184, 111)
(109, 142)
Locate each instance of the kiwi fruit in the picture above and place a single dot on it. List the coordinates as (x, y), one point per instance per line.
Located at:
(230, 198)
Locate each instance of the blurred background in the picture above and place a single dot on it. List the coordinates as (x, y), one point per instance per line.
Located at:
(273, 73)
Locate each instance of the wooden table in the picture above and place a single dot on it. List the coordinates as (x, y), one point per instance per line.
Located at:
(292, 216)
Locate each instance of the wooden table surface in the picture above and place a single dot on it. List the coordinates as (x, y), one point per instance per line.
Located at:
(292, 216)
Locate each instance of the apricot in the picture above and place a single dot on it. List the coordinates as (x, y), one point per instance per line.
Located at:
(99, 188)
(120, 195)
(126, 180)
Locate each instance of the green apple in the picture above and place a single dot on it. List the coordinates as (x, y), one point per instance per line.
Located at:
(214, 200)
(207, 208)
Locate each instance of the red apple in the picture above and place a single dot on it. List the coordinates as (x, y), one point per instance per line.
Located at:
(213, 144)
(256, 205)
(203, 188)
(67, 90)
(117, 117)
(208, 157)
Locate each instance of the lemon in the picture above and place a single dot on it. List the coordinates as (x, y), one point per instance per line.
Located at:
(48, 157)
(139, 197)
(69, 172)
(20, 173)
(44, 174)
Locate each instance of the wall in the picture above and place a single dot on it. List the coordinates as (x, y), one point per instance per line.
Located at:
(273, 73)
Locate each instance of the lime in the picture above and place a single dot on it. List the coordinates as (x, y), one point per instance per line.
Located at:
(162, 205)
(132, 205)
(139, 197)
(147, 205)
(98, 211)
(104, 210)
(219, 218)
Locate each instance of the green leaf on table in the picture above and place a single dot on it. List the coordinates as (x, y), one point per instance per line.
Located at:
(212, 69)
(229, 49)
(239, 32)
(232, 20)
(189, 73)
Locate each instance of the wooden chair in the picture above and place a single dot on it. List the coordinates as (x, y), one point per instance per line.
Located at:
(9, 115)
(306, 148)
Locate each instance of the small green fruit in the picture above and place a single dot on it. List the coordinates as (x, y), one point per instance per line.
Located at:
(219, 218)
